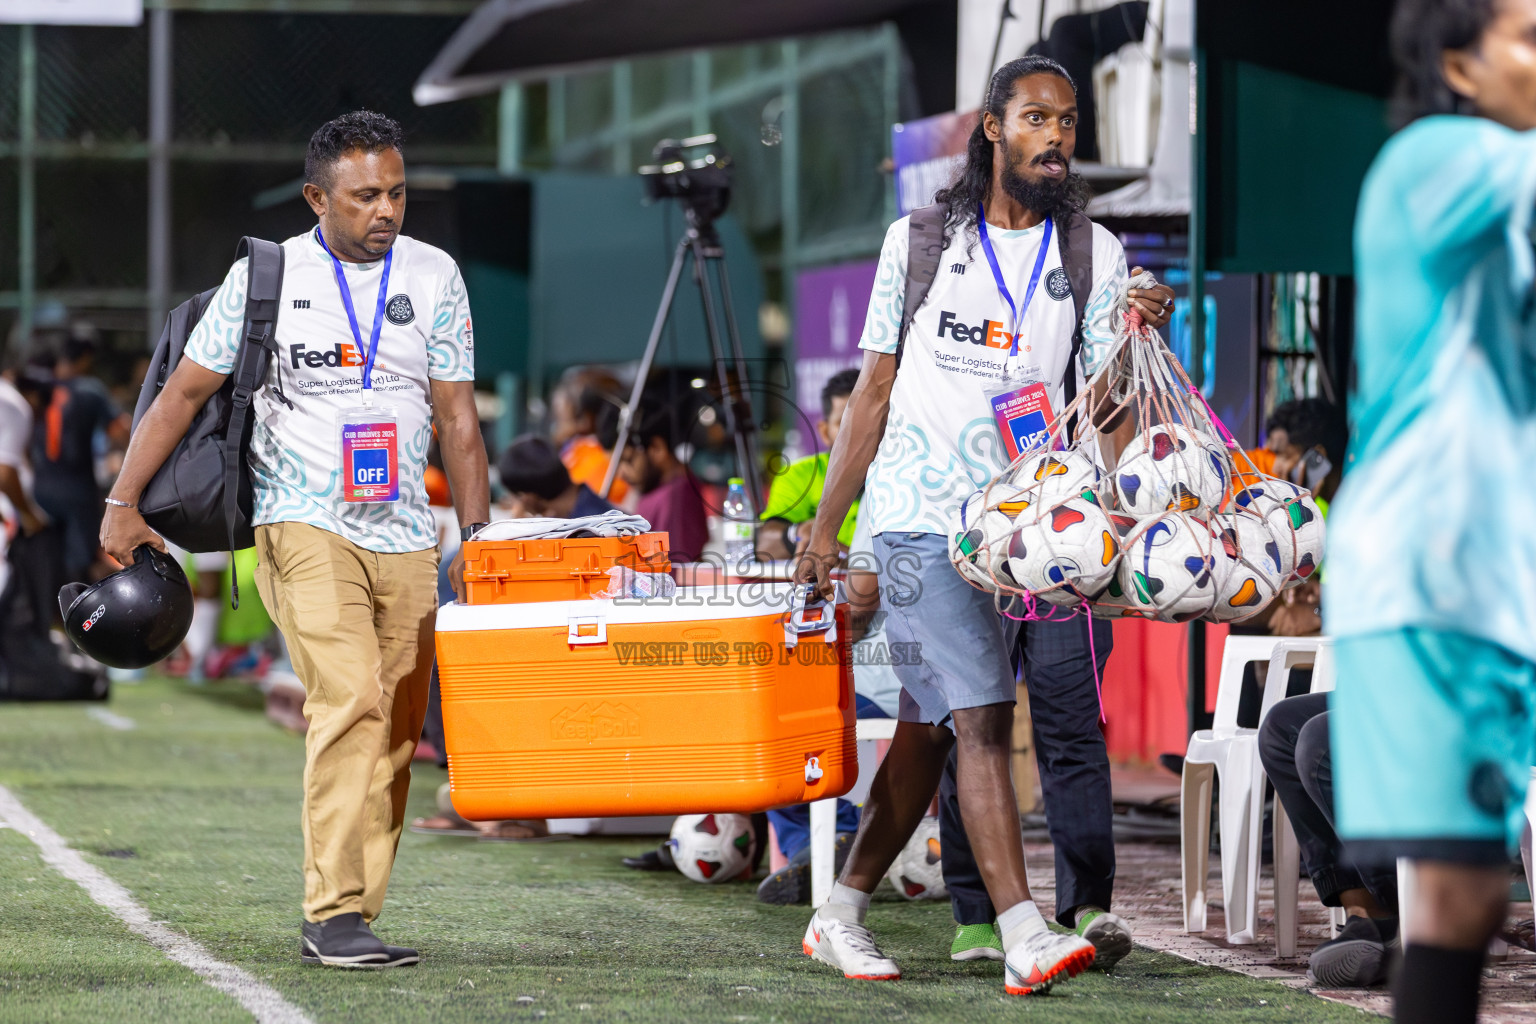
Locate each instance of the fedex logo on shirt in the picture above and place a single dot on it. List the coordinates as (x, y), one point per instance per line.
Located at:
(989, 332)
(341, 355)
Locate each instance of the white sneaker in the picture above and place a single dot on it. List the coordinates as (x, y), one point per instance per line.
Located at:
(848, 947)
(1043, 959)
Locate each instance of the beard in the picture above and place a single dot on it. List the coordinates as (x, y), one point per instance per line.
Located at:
(1046, 197)
(648, 478)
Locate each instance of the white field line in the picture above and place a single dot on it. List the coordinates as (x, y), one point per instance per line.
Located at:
(110, 720)
(262, 1001)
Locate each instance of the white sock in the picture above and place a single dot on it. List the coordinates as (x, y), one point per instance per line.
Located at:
(846, 904)
(205, 628)
(1019, 922)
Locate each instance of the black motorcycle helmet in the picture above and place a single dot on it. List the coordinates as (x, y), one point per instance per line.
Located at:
(135, 616)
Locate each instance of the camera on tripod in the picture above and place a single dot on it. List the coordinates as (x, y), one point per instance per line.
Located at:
(695, 170)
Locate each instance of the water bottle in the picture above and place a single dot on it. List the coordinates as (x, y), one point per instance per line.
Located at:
(740, 518)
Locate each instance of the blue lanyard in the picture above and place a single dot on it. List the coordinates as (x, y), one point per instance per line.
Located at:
(378, 313)
(1002, 286)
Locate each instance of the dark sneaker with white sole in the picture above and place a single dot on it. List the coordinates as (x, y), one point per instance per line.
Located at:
(791, 884)
(1356, 958)
(346, 941)
(1110, 935)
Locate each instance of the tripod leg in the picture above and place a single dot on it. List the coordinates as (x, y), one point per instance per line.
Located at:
(745, 460)
(626, 415)
(749, 436)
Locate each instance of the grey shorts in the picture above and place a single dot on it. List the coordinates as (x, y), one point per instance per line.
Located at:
(958, 647)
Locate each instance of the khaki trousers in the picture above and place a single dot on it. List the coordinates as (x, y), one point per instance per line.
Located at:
(359, 626)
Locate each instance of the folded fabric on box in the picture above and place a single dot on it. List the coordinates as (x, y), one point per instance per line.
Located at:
(609, 524)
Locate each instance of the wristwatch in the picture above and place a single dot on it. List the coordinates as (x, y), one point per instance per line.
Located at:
(466, 532)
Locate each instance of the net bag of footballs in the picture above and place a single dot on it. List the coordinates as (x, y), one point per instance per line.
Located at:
(1136, 503)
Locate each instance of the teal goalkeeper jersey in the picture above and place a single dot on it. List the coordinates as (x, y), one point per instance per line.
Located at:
(1435, 525)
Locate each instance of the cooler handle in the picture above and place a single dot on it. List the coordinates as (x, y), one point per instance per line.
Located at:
(582, 630)
(805, 603)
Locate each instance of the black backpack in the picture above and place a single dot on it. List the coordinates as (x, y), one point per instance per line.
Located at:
(925, 250)
(200, 499)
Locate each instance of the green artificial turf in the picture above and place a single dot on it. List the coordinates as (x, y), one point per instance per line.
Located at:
(198, 806)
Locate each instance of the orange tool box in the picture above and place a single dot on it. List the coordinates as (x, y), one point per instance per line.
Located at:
(555, 569)
(726, 698)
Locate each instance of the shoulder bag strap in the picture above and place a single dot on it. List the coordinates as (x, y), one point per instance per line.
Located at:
(1076, 241)
(264, 283)
(925, 247)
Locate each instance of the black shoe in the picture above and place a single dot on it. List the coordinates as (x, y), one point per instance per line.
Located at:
(401, 956)
(1356, 959)
(346, 941)
(791, 885)
(659, 859)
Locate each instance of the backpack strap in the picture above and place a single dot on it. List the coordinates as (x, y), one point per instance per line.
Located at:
(925, 248)
(1076, 242)
(263, 286)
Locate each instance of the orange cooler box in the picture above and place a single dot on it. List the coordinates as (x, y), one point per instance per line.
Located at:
(555, 568)
(592, 708)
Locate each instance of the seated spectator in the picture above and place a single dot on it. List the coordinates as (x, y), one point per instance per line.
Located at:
(540, 485)
(1276, 437)
(1310, 451)
(1311, 455)
(1293, 744)
(575, 406)
(796, 492)
(671, 499)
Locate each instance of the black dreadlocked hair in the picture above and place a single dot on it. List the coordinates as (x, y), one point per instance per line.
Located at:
(361, 129)
(1422, 30)
(971, 187)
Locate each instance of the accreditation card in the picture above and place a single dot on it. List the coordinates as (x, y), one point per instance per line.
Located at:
(370, 454)
(1021, 405)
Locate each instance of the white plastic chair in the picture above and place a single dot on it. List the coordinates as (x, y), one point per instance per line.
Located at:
(824, 813)
(1287, 850)
(1231, 753)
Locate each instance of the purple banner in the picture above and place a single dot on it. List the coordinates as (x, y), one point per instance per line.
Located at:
(927, 153)
(830, 306)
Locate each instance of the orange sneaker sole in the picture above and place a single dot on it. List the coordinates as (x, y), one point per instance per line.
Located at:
(856, 977)
(1072, 966)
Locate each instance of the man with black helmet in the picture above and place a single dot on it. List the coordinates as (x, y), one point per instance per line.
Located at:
(376, 349)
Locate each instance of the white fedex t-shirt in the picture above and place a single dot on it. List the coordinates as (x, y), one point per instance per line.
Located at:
(296, 453)
(941, 440)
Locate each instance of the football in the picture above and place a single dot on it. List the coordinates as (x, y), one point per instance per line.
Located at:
(1049, 478)
(1174, 567)
(1297, 526)
(918, 873)
(979, 534)
(1295, 521)
(1170, 467)
(713, 847)
(1113, 604)
(1064, 556)
(1254, 577)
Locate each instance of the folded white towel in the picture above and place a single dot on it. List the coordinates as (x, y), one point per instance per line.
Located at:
(610, 524)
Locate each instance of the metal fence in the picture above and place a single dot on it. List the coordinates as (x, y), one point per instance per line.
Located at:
(247, 91)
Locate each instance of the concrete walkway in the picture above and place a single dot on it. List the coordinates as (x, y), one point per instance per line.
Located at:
(1147, 894)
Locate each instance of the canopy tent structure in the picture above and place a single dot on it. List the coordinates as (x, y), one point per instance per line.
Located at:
(525, 40)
